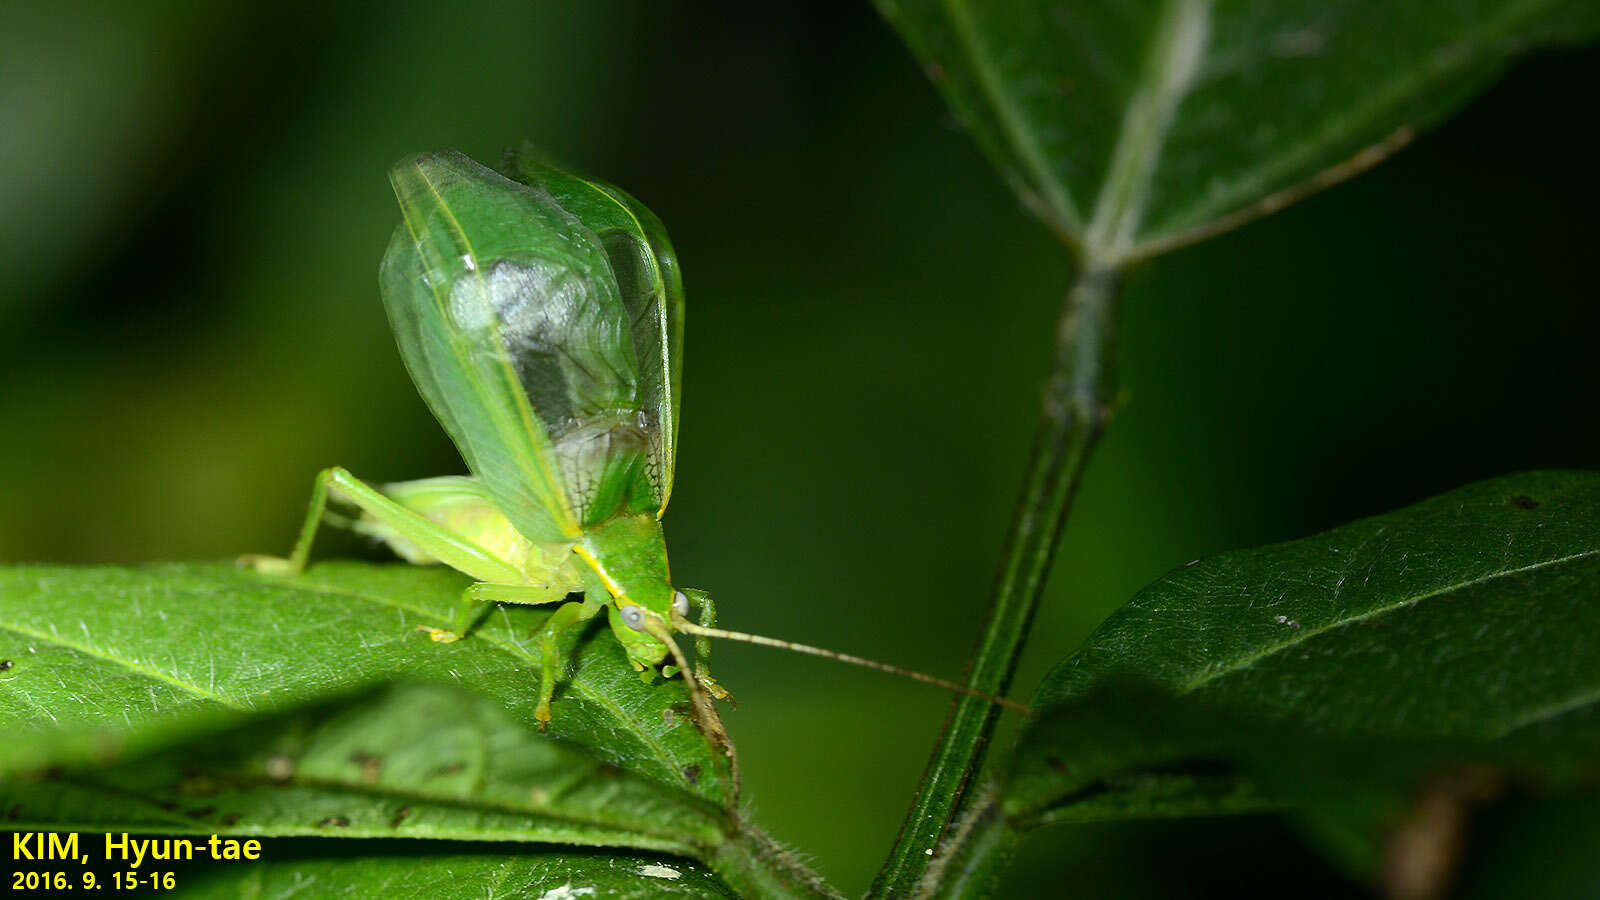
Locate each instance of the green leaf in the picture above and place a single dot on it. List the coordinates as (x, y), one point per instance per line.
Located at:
(408, 761)
(107, 662)
(1129, 750)
(534, 876)
(1343, 673)
(1132, 751)
(1464, 616)
(1133, 127)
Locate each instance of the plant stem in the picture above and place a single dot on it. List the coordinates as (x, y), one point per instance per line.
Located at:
(1078, 401)
(975, 855)
(756, 866)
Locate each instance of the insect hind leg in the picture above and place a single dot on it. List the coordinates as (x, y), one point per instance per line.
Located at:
(295, 562)
(437, 542)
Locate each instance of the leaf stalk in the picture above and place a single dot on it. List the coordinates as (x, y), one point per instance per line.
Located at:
(1077, 405)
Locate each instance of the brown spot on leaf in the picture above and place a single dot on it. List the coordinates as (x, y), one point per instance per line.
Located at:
(280, 767)
(230, 820)
(333, 822)
(691, 774)
(1523, 501)
(399, 816)
(196, 784)
(15, 812)
(1057, 765)
(201, 813)
(371, 766)
(449, 768)
(5, 665)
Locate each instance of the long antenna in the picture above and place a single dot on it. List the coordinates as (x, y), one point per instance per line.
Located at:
(688, 627)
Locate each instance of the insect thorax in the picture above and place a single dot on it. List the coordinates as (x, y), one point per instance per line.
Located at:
(630, 554)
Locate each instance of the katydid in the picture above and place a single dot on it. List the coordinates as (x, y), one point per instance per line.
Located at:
(541, 316)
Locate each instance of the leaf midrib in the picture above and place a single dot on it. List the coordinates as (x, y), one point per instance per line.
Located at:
(1168, 73)
(129, 664)
(1243, 662)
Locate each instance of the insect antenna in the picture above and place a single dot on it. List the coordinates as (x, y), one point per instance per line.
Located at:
(702, 631)
(705, 711)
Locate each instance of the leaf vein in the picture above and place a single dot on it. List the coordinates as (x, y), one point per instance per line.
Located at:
(1444, 62)
(1011, 120)
(129, 664)
(1246, 661)
(1553, 711)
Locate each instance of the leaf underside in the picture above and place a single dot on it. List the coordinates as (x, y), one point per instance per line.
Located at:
(1131, 127)
(1340, 672)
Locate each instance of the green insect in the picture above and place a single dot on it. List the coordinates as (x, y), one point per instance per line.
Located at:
(541, 316)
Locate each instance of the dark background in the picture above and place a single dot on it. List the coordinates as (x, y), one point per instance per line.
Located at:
(193, 204)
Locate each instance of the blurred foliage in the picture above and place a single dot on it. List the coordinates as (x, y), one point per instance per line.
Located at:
(189, 328)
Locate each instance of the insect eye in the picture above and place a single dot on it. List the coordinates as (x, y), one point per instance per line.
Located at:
(633, 616)
(680, 603)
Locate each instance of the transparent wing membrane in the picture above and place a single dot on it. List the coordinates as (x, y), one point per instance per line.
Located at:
(540, 320)
(650, 288)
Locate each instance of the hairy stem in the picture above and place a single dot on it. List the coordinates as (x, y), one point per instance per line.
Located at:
(975, 855)
(1078, 402)
(756, 866)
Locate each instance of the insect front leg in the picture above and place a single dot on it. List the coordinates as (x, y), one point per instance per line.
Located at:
(548, 635)
(702, 647)
(708, 619)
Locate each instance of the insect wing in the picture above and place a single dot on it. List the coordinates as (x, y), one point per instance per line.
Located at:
(650, 287)
(510, 319)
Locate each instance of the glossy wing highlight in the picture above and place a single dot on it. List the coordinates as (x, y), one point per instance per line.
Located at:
(649, 286)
